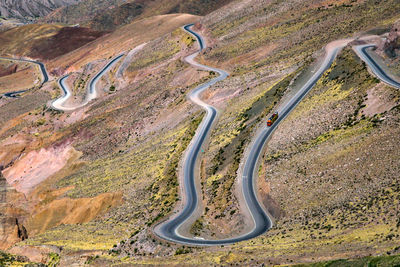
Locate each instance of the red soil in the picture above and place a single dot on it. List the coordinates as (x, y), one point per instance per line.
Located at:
(66, 40)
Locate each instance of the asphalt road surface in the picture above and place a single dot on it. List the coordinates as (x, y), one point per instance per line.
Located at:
(361, 50)
(91, 94)
(45, 76)
(169, 230)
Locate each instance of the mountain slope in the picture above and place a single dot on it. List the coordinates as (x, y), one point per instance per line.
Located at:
(329, 175)
(122, 39)
(30, 10)
(142, 100)
(17, 76)
(108, 14)
(44, 41)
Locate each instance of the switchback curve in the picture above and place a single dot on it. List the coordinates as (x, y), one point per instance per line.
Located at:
(169, 230)
(58, 104)
(42, 67)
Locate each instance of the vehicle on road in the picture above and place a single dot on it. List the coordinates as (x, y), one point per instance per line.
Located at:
(169, 230)
(272, 119)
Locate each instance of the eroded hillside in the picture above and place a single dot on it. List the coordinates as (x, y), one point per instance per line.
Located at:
(95, 181)
(109, 14)
(30, 10)
(43, 147)
(44, 41)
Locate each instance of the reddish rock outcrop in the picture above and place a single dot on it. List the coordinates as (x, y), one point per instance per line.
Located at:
(8, 70)
(392, 42)
(11, 228)
(66, 40)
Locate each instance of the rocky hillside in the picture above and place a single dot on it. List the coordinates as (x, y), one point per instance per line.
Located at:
(108, 14)
(44, 41)
(392, 44)
(44, 201)
(17, 76)
(31, 10)
(88, 186)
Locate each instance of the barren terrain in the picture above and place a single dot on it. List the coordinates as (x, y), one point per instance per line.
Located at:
(49, 41)
(89, 185)
(17, 76)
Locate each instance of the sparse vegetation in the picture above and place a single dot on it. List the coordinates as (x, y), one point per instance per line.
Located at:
(384, 261)
(163, 50)
(329, 175)
(54, 260)
(182, 250)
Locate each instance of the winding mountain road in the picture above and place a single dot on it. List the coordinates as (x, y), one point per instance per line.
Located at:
(58, 104)
(362, 52)
(42, 67)
(127, 60)
(169, 230)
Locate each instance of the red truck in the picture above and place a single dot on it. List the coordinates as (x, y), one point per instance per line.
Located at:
(272, 119)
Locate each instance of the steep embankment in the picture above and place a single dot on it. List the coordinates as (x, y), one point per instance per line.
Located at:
(16, 76)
